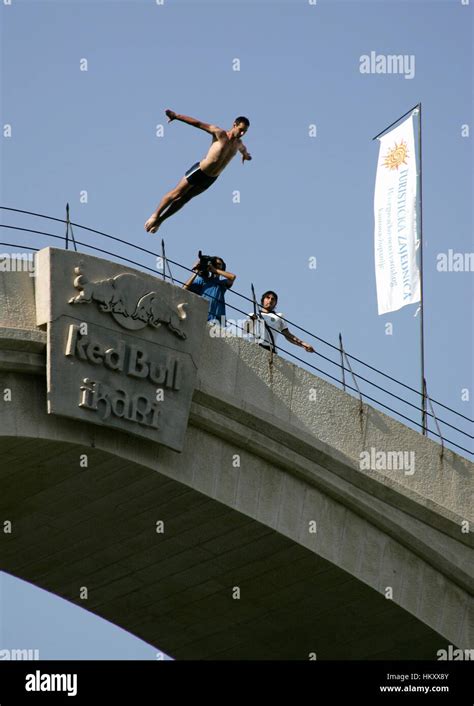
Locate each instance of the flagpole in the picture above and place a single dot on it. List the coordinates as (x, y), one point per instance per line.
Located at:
(420, 187)
(422, 329)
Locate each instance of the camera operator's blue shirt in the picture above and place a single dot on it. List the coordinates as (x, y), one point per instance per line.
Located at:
(213, 289)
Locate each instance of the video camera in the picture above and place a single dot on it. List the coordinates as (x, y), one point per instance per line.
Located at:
(204, 262)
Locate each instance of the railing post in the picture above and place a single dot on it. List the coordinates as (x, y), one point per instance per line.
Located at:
(67, 226)
(341, 349)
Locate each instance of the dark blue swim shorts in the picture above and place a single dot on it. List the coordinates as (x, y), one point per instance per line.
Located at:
(197, 177)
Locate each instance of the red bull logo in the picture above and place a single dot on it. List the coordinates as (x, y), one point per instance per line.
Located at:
(130, 302)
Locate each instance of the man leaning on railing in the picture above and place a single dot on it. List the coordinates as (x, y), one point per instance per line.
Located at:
(265, 326)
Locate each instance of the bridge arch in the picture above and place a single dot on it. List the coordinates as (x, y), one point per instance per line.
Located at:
(267, 497)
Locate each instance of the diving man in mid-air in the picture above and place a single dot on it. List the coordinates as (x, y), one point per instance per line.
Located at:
(224, 146)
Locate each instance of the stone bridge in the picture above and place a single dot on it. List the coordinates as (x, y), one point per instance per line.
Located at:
(266, 538)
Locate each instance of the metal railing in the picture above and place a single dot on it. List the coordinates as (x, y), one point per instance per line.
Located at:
(69, 239)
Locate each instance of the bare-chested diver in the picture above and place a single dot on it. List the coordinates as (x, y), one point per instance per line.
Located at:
(224, 146)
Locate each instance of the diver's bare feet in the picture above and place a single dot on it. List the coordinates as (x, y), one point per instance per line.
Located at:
(153, 223)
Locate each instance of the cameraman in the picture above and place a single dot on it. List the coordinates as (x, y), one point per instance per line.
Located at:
(206, 281)
(266, 326)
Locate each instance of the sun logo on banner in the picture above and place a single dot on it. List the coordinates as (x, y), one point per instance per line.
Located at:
(396, 156)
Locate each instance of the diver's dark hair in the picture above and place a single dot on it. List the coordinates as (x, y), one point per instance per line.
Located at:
(242, 119)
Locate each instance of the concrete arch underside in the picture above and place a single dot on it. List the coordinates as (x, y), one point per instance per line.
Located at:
(96, 527)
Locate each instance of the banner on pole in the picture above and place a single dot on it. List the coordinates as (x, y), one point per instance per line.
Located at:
(395, 241)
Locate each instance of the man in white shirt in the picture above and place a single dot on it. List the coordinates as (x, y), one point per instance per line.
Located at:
(266, 327)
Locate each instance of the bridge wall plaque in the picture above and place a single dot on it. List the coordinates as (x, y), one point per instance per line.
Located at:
(123, 347)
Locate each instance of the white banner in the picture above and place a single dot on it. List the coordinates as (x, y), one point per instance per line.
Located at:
(395, 241)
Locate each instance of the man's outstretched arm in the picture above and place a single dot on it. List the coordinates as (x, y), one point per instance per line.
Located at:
(297, 341)
(244, 153)
(212, 129)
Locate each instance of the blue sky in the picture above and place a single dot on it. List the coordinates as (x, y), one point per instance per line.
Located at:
(300, 197)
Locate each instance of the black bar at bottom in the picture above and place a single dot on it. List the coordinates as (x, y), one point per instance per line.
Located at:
(88, 682)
